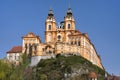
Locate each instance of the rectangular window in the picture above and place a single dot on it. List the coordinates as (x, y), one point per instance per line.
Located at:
(79, 43)
(75, 42)
(71, 43)
(68, 26)
(43, 49)
(15, 57)
(49, 27)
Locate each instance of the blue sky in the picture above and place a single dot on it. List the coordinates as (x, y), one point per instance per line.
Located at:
(99, 18)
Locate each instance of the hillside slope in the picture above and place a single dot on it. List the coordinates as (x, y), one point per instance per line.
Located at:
(67, 68)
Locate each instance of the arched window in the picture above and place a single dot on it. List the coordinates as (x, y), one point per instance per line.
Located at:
(69, 26)
(59, 37)
(49, 27)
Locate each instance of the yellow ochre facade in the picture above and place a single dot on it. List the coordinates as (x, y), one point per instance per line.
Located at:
(61, 39)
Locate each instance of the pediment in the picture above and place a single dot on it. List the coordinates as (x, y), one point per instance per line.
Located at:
(31, 34)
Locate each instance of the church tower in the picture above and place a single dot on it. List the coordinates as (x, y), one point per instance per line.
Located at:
(50, 27)
(69, 24)
(69, 20)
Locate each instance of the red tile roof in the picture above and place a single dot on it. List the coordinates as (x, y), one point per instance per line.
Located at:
(116, 78)
(112, 78)
(16, 49)
(93, 75)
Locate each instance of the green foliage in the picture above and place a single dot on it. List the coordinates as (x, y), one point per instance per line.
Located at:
(4, 70)
(9, 71)
(25, 59)
(54, 69)
(42, 77)
(49, 69)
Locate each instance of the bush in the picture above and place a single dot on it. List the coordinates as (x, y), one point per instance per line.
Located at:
(55, 69)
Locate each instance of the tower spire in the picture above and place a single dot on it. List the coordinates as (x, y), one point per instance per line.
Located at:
(69, 11)
(50, 13)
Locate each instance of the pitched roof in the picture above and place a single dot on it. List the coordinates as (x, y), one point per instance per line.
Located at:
(15, 49)
(116, 77)
(112, 78)
(30, 34)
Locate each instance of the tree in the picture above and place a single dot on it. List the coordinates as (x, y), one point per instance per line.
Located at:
(4, 70)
